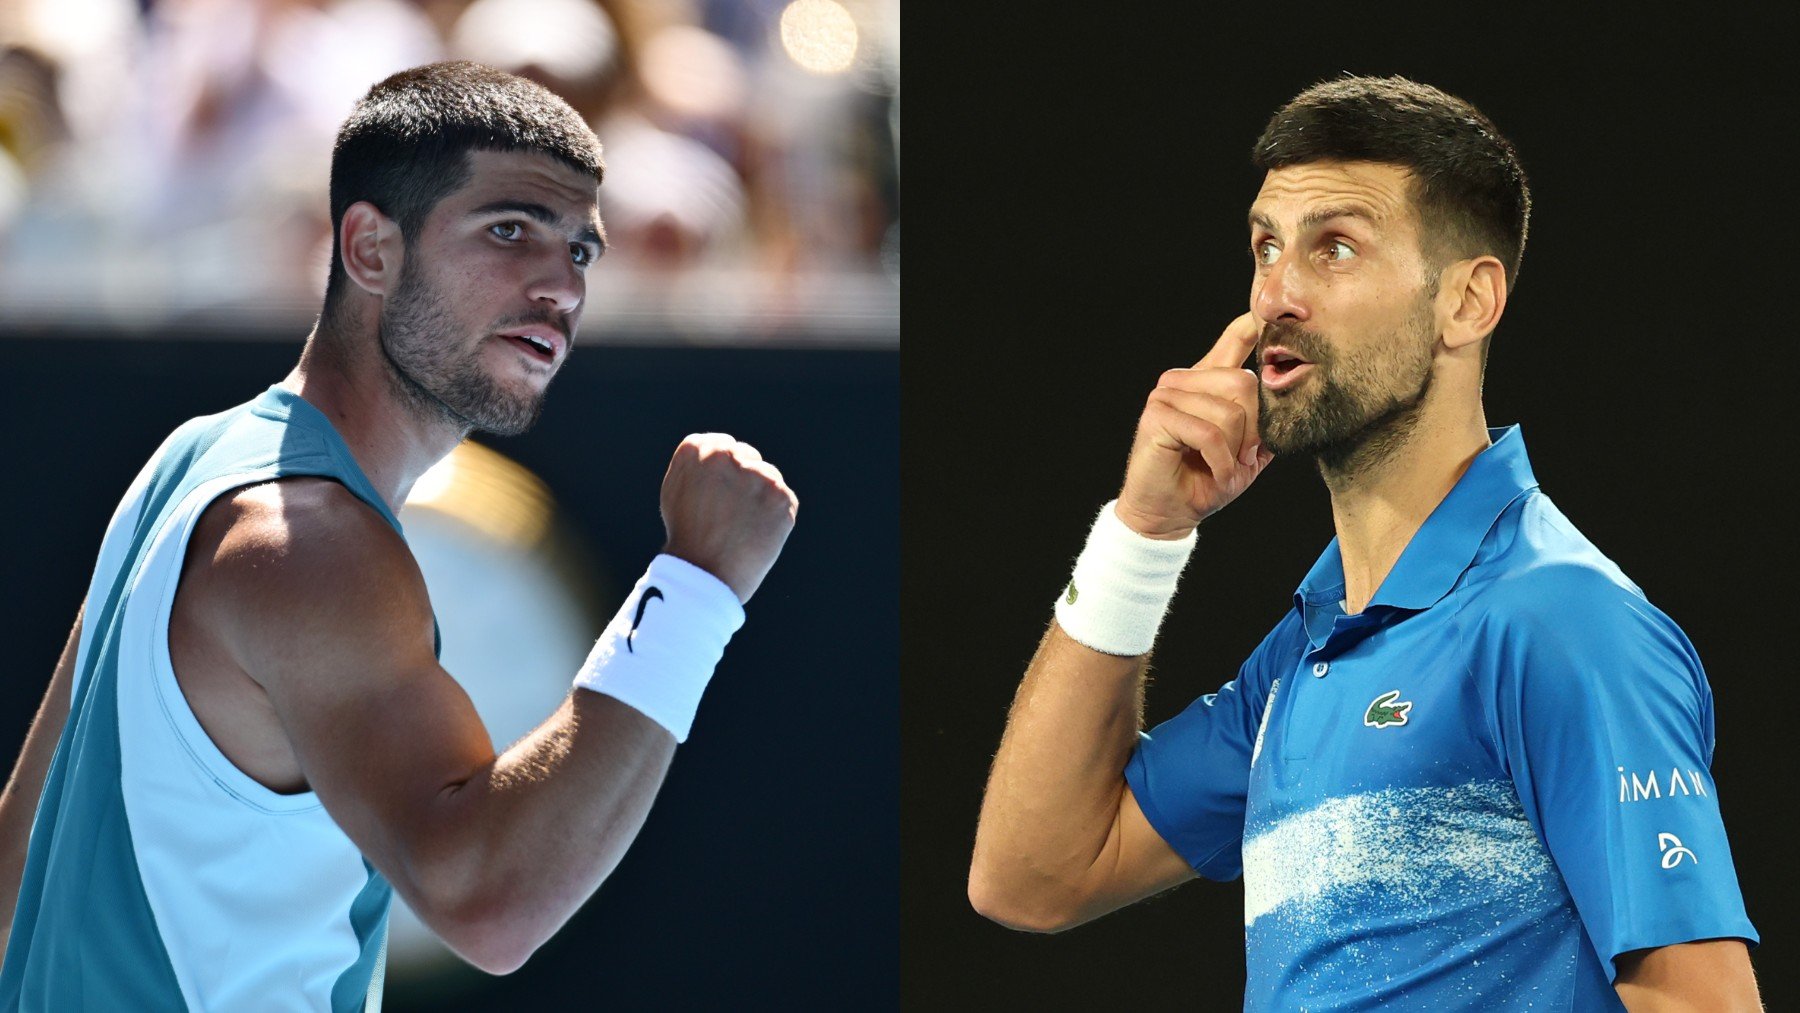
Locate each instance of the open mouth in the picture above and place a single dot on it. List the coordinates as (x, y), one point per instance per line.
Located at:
(1281, 368)
(534, 346)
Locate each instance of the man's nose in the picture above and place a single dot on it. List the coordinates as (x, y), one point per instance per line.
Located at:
(1281, 293)
(558, 282)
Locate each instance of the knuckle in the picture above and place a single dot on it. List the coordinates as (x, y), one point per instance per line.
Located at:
(1215, 409)
(1228, 382)
(1233, 409)
(1205, 431)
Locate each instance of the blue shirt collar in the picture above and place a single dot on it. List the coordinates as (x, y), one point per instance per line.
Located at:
(1444, 546)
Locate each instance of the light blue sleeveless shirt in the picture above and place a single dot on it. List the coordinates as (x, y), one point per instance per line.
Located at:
(160, 876)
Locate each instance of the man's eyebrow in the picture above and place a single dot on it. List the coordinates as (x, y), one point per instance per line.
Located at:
(540, 213)
(1318, 216)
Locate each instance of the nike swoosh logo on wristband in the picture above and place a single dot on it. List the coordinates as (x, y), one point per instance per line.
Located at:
(643, 603)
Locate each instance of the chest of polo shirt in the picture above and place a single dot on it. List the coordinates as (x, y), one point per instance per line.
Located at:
(1379, 820)
(1383, 699)
(1386, 854)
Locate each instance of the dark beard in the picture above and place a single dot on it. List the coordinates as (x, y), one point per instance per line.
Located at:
(1353, 423)
(412, 331)
(1376, 440)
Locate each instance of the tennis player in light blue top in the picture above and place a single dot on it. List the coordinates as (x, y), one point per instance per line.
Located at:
(1469, 769)
(248, 746)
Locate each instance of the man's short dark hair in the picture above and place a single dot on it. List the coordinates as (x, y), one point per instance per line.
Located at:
(1467, 183)
(406, 144)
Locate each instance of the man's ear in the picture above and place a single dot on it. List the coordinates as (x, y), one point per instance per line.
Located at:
(1471, 297)
(372, 248)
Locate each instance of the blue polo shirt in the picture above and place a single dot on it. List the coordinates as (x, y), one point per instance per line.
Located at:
(1474, 794)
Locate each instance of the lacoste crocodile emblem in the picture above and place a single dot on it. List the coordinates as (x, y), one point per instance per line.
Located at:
(1388, 709)
(1073, 594)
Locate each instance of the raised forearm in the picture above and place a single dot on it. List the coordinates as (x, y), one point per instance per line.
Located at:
(541, 827)
(1053, 794)
(1055, 844)
(538, 829)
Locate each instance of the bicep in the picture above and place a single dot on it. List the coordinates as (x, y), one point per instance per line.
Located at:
(327, 611)
(382, 740)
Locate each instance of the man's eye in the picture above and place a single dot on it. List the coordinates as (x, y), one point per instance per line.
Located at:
(582, 256)
(1341, 250)
(1265, 252)
(508, 230)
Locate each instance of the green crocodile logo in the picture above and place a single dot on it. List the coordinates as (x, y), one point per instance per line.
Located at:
(1070, 598)
(1388, 709)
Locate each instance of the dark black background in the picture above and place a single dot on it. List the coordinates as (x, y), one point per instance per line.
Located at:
(1086, 183)
(767, 867)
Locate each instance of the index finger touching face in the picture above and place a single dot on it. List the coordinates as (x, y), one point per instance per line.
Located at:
(1233, 346)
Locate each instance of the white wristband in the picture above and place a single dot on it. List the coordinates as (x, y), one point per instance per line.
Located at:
(1122, 586)
(659, 651)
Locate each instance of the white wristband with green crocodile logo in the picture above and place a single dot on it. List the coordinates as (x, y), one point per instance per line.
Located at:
(1122, 586)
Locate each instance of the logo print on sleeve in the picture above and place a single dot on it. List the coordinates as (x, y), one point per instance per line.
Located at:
(643, 603)
(1633, 788)
(1387, 709)
(1672, 850)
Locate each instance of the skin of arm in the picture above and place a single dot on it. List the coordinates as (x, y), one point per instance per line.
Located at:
(1061, 839)
(18, 804)
(1711, 975)
(318, 600)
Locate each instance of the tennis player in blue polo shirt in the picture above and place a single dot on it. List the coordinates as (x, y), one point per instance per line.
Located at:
(1469, 770)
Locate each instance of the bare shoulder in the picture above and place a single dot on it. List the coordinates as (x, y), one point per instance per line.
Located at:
(297, 535)
(270, 517)
(299, 569)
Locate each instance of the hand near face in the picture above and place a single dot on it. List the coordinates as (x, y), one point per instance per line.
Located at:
(1197, 447)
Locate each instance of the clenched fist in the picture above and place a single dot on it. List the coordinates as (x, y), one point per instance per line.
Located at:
(1196, 447)
(727, 510)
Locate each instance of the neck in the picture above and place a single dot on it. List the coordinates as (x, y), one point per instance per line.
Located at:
(1379, 503)
(343, 373)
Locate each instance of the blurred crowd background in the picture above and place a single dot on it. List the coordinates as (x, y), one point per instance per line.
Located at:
(164, 162)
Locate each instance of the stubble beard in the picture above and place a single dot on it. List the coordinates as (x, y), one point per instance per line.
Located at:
(416, 333)
(1359, 414)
